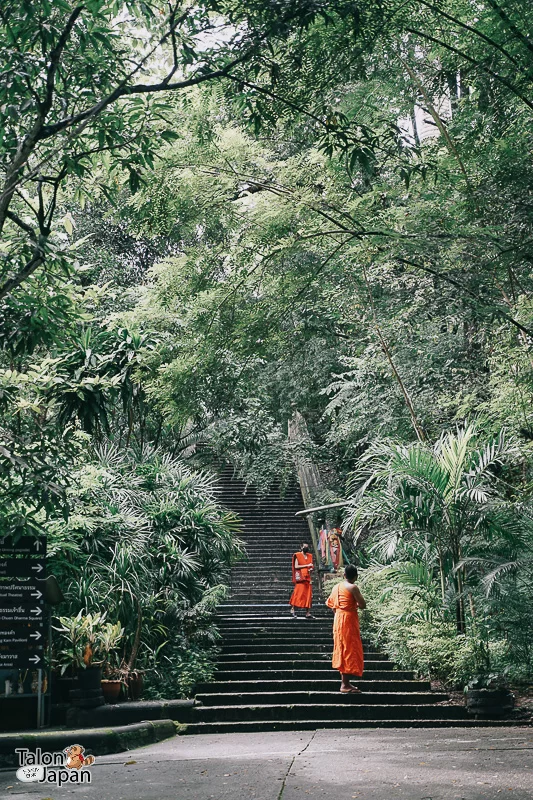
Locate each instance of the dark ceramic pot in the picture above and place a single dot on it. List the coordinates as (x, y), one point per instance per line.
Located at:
(89, 679)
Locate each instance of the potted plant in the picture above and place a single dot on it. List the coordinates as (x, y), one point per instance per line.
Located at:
(89, 640)
(488, 696)
(112, 681)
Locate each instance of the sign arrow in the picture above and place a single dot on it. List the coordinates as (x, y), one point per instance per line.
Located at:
(24, 545)
(17, 614)
(17, 591)
(18, 636)
(20, 660)
(22, 568)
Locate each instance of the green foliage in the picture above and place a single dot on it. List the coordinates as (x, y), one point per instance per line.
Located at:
(88, 640)
(313, 206)
(147, 538)
(446, 496)
(397, 619)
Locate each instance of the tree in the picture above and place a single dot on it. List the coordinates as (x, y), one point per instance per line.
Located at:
(79, 93)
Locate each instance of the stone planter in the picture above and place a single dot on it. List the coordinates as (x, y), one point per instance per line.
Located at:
(489, 703)
(87, 695)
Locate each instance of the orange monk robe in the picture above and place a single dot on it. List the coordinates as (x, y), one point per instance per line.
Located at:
(347, 645)
(302, 595)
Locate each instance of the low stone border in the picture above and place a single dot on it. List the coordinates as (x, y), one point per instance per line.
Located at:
(129, 713)
(98, 741)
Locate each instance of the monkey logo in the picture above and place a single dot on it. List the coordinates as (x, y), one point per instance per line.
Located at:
(75, 757)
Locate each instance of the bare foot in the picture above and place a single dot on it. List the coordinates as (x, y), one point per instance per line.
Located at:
(350, 689)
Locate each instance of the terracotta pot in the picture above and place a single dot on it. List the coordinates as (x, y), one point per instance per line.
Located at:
(111, 690)
(135, 685)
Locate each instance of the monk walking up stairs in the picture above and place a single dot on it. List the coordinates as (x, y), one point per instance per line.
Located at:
(275, 672)
(302, 568)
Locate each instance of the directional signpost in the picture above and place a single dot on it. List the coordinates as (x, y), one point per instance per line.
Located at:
(22, 637)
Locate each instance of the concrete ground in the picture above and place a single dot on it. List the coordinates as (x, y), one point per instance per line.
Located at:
(393, 764)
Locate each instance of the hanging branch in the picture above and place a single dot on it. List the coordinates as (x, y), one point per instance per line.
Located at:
(409, 403)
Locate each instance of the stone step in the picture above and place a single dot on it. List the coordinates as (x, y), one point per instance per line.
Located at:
(311, 660)
(284, 624)
(319, 627)
(351, 709)
(297, 639)
(271, 538)
(270, 589)
(266, 726)
(332, 697)
(300, 635)
(302, 649)
(300, 627)
(247, 621)
(237, 672)
(260, 608)
(286, 684)
(250, 570)
(228, 607)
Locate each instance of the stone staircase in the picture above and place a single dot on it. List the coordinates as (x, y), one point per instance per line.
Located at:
(274, 672)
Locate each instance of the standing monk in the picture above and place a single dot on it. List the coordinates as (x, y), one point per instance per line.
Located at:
(302, 596)
(345, 599)
(335, 547)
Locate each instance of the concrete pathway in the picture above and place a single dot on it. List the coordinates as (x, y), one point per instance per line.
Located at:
(393, 764)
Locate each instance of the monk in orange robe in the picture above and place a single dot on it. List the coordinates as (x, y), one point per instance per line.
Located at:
(345, 599)
(302, 596)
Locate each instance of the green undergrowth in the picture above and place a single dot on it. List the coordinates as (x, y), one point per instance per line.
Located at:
(398, 624)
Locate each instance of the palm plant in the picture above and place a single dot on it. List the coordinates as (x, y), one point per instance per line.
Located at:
(448, 495)
(149, 542)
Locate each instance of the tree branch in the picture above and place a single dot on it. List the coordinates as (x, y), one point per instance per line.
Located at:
(23, 274)
(473, 30)
(21, 224)
(473, 61)
(448, 278)
(510, 24)
(409, 403)
(55, 58)
(125, 91)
